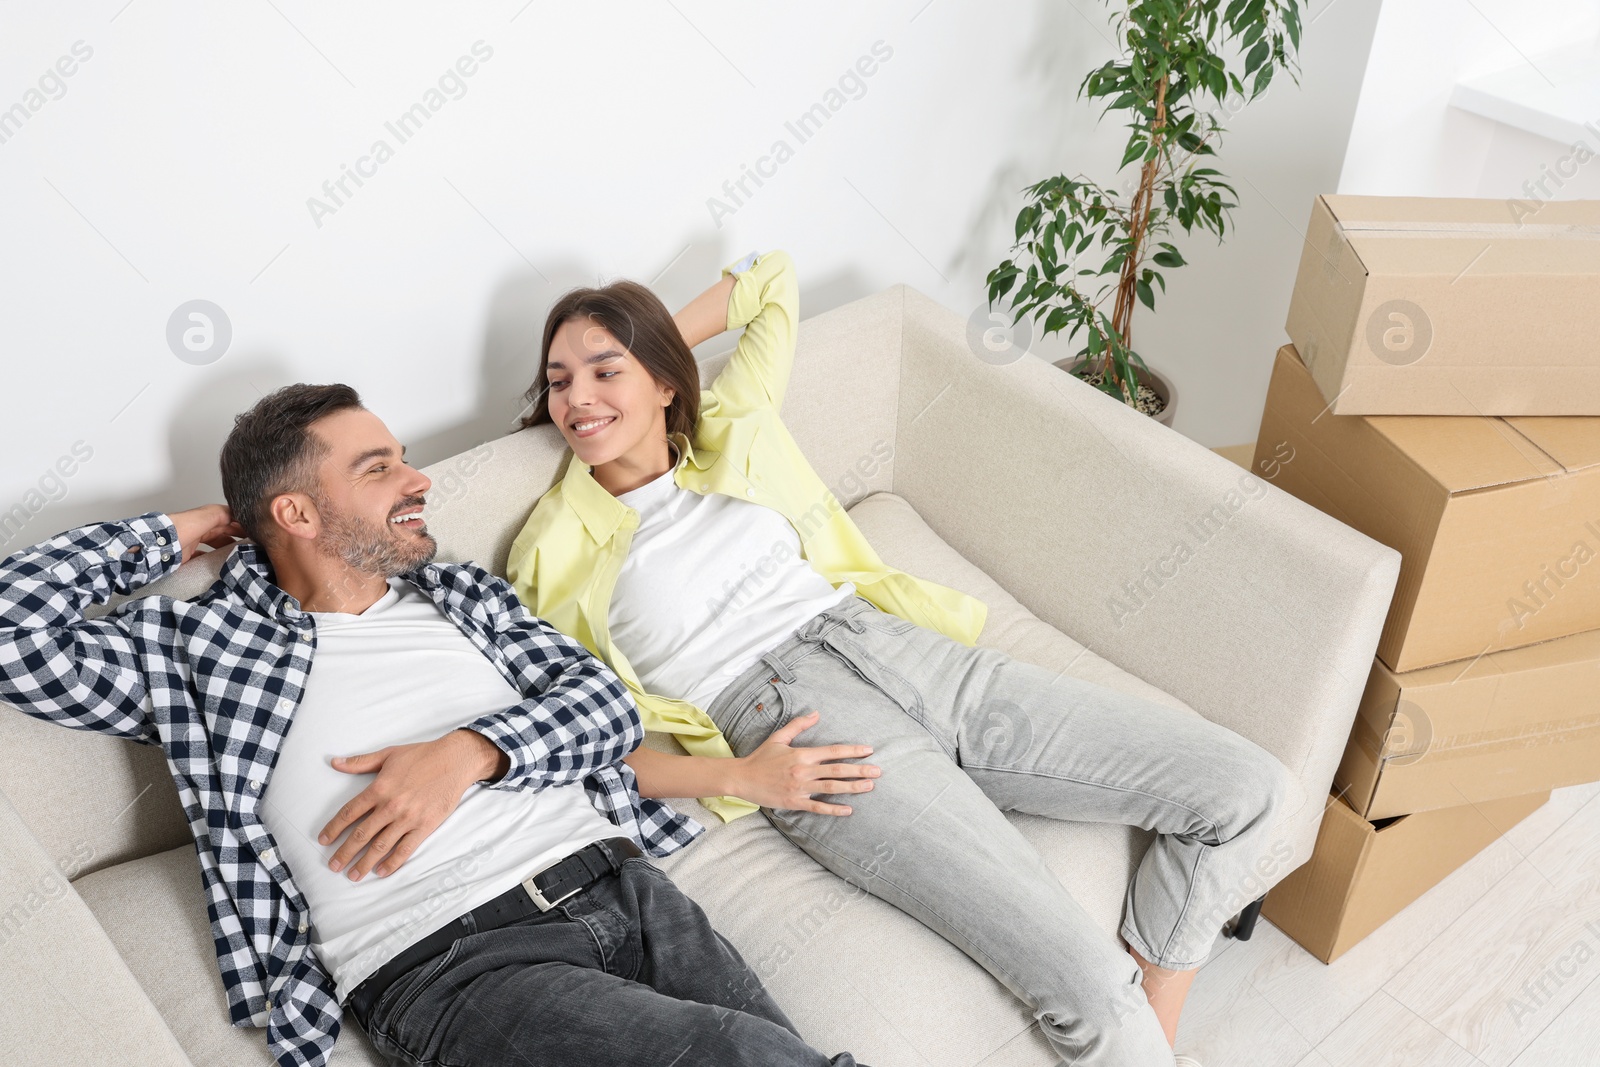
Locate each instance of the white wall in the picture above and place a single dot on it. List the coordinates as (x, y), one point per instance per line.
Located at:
(1408, 141)
(177, 161)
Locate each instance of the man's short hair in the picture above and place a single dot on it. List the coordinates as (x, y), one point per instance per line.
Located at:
(272, 450)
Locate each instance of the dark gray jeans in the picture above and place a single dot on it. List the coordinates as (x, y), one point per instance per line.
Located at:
(628, 972)
(963, 734)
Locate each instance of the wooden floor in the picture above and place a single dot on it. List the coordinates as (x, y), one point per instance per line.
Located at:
(1498, 965)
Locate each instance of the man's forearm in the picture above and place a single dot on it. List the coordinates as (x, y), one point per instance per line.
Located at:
(566, 733)
(578, 716)
(56, 664)
(493, 760)
(88, 565)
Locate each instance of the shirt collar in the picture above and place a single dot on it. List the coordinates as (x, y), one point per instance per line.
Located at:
(600, 512)
(248, 572)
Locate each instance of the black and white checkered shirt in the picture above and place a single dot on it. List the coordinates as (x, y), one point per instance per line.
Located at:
(215, 682)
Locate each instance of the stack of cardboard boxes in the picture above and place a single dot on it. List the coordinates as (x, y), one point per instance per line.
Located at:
(1441, 395)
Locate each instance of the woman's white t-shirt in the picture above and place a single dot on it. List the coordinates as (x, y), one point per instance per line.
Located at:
(710, 584)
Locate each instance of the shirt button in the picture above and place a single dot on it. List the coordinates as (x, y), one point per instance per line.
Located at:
(750, 492)
(161, 540)
(305, 636)
(255, 785)
(166, 557)
(266, 857)
(285, 705)
(304, 926)
(269, 1003)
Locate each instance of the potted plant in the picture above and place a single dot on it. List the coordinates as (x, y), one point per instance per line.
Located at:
(1170, 66)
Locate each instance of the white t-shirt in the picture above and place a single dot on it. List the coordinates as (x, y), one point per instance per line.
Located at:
(398, 673)
(711, 583)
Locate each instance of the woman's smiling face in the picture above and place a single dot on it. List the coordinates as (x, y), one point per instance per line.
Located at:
(603, 399)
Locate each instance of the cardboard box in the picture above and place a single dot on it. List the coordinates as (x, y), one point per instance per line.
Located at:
(1497, 520)
(1426, 306)
(1502, 725)
(1361, 875)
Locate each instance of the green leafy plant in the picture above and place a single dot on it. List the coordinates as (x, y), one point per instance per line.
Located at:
(1171, 64)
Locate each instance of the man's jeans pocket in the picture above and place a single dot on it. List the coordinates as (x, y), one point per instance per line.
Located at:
(388, 1014)
(616, 952)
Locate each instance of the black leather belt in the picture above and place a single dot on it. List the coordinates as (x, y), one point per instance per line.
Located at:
(538, 893)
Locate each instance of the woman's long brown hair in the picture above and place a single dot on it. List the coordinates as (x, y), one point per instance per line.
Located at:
(638, 319)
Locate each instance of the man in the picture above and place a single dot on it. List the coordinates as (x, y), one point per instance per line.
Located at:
(467, 754)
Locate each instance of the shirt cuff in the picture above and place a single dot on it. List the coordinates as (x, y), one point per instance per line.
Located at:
(742, 265)
(771, 277)
(157, 539)
(495, 729)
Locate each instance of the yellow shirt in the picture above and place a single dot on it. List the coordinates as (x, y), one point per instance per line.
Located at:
(564, 563)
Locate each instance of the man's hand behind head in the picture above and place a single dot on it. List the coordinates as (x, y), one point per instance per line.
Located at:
(211, 525)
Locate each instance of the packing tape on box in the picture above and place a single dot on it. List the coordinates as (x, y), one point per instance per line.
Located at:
(1544, 231)
(1456, 746)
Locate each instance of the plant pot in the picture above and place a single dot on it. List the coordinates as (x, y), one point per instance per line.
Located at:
(1161, 386)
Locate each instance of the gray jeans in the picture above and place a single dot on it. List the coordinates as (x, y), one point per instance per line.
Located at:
(963, 734)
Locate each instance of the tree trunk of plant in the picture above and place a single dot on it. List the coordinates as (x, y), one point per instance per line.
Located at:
(1139, 215)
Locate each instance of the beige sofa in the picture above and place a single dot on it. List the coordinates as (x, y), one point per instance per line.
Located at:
(1026, 488)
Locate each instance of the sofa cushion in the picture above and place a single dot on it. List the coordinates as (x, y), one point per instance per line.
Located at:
(67, 994)
(154, 911)
(905, 541)
(95, 799)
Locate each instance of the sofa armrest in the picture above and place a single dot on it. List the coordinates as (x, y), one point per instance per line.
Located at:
(68, 995)
(1254, 608)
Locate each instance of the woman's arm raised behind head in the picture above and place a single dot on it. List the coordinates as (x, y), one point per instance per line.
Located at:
(707, 314)
(765, 300)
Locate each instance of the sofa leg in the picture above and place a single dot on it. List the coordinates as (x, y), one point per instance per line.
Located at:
(1242, 926)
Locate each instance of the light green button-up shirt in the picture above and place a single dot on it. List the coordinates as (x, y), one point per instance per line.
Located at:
(564, 564)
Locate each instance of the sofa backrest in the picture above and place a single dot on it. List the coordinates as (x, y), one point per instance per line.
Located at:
(95, 801)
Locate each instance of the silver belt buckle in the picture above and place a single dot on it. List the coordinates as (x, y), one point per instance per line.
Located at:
(539, 898)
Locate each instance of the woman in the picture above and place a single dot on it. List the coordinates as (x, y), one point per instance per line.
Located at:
(691, 547)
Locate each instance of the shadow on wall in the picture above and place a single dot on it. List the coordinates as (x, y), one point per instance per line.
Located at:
(1069, 40)
(509, 353)
(508, 360)
(193, 442)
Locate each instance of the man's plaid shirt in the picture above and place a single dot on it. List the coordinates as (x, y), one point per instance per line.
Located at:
(215, 682)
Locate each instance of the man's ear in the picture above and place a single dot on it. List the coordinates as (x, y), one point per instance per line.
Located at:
(294, 515)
